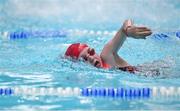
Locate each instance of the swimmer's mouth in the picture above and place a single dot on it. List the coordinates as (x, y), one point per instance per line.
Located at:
(97, 64)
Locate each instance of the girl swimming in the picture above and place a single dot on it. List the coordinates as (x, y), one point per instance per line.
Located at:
(109, 57)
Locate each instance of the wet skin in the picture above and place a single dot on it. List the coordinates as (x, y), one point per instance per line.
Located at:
(89, 55)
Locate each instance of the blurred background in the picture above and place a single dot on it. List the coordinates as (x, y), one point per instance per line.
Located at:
(99, 14)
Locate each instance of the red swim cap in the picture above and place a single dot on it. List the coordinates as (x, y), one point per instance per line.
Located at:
(75, 49)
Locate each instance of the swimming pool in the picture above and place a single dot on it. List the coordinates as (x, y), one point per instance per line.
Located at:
(38, 61)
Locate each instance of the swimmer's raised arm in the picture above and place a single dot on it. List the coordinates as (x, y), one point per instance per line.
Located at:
(110, 51)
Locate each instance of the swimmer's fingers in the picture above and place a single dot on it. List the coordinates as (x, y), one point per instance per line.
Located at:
(138, 32)
(143, 33)
(142, 29)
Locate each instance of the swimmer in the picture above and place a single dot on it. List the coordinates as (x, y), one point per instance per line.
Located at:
(109, 57)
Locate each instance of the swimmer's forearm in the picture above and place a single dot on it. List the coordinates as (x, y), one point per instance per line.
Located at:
(117, 41)
(110, 50)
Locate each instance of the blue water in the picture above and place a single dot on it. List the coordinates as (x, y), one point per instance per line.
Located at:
(38, 62)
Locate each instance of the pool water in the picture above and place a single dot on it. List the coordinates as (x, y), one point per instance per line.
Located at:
(38, 62)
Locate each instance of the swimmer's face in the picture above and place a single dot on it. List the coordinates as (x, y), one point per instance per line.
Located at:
(89, 55)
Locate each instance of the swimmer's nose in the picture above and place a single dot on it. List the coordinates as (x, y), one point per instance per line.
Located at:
(90, 58)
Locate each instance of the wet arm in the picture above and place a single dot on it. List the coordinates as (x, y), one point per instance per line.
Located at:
(110, 50)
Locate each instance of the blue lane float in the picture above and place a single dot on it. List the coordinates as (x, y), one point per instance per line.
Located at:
(6, 91)
(28, 34)
(178, 34)
(161, 35)
(166, 35)
(116, 92)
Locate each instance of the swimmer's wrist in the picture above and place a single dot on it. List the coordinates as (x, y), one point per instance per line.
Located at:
(125, 30)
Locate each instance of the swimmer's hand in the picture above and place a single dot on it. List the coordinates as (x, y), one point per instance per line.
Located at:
(136, 32)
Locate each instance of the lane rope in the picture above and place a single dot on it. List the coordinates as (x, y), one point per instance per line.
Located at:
(75, 32)
(121, 92)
